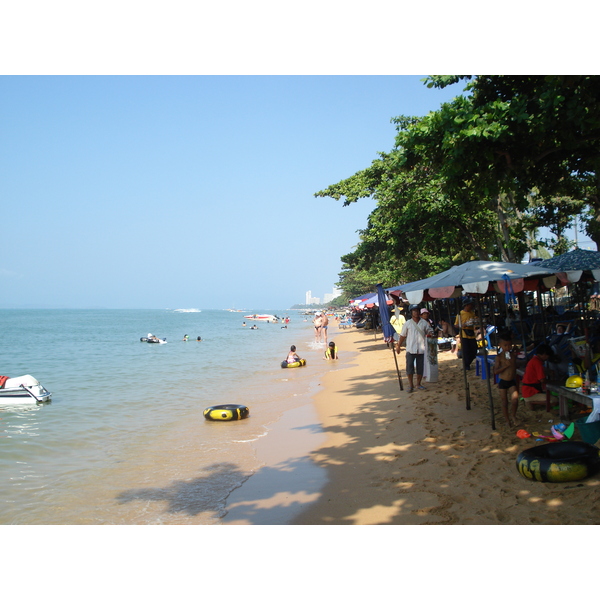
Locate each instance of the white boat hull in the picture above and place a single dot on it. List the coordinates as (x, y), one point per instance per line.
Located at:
(263, 318)
(23, 390)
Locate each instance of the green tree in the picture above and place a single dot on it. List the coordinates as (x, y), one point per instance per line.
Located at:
(519, 133)
(479, 176)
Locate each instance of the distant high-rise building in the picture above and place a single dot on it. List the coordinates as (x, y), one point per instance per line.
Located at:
(329, 297)
(310, 299)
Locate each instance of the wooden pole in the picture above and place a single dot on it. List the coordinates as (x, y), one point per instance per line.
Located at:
(397, 368)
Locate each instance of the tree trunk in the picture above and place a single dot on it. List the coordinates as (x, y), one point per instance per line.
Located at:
(507, 253)
(482, 253)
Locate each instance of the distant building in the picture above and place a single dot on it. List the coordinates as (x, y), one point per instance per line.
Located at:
(310, 299)
(329, 297)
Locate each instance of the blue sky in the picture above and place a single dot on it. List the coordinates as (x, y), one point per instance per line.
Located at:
(192, 191)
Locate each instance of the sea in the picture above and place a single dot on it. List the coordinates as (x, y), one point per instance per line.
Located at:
(124, 439)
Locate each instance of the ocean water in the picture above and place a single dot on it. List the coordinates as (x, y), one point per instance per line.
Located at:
(124, 440)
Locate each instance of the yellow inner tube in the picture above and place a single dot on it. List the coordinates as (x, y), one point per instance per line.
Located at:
(298, 363)
(226, 412)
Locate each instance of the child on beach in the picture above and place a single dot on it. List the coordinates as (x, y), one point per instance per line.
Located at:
(292, 357)
(506, 368)
(331, 353)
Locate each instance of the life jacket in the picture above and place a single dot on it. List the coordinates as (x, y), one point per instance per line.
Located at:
(3, 380)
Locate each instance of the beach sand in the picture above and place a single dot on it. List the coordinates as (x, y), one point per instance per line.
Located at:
(393, 457)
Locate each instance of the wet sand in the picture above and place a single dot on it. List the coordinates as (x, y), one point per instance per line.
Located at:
(391, 457)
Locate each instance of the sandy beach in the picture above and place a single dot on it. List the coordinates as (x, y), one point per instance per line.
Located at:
(393, 457)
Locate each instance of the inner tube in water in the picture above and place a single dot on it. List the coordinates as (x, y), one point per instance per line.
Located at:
(226, 412)
(559, 461)
(299, 363)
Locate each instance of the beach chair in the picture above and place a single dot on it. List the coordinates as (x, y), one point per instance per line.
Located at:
(344, 323)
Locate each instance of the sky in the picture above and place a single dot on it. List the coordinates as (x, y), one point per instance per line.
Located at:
(187, 191)
(169, 158)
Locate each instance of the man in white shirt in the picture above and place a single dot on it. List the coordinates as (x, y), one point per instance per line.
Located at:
(415, 332)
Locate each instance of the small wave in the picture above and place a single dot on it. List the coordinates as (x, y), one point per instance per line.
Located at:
(251, 439)
(187, 310)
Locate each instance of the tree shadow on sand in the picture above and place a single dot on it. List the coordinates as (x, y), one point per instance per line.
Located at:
(272, 495)
(194, 496)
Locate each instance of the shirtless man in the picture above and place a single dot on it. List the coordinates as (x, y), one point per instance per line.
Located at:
(324, 324)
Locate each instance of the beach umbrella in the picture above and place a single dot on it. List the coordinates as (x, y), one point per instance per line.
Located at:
(573, 263)
(473, 277)
(386, 326)
(363, 301)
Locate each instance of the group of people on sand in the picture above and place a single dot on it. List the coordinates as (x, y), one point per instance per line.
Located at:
(415, 331)
(533, 384)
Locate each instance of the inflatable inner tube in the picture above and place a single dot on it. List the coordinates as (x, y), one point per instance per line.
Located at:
(559, 461)
(226, 412)
(299, 363)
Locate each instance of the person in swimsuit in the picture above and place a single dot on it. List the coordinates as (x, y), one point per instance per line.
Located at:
(324, 324)
(292, 357)
(506, 368)
(318, 321)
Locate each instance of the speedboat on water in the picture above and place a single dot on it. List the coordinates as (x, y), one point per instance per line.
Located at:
(22, 390)
(152, 339)
(263, 318)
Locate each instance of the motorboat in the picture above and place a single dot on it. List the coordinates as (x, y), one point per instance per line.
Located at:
(23, 390)
(152, 339)
(263, 318)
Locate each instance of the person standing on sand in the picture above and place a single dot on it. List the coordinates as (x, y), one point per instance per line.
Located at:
(397, 322)
(506, 368)
(466, 321)
(317, 322)
(415, 332)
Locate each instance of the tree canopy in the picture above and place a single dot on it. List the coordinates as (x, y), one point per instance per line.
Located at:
(477, 178)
